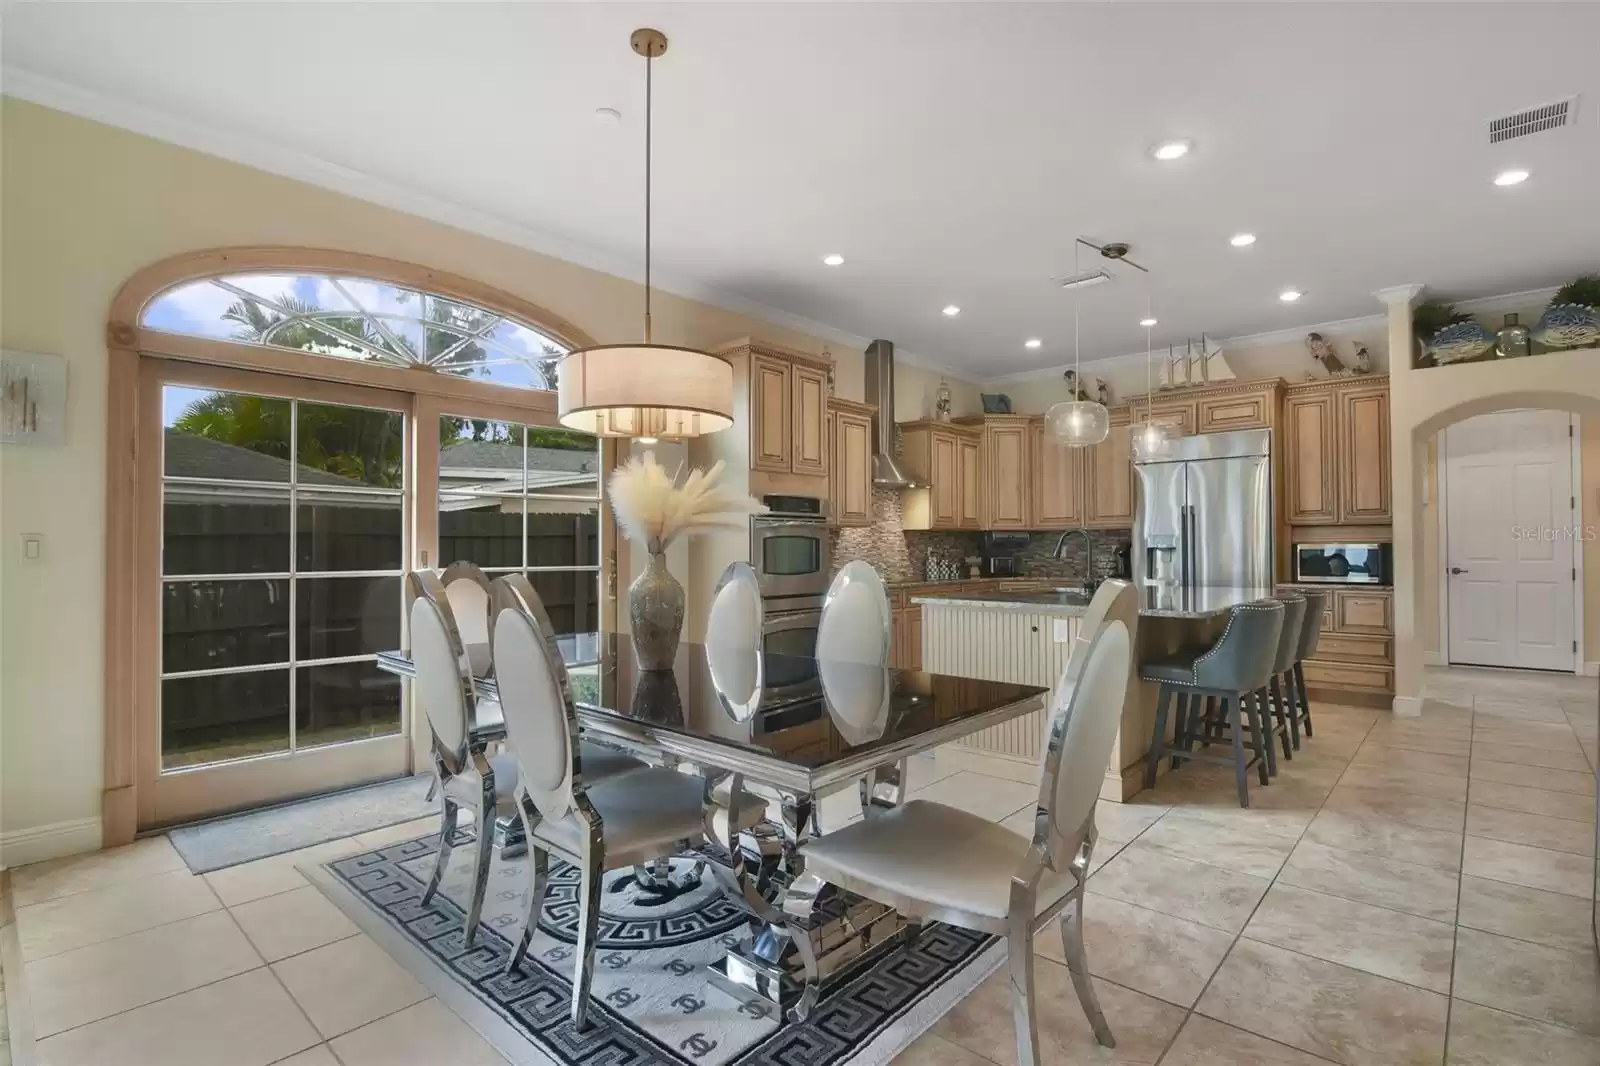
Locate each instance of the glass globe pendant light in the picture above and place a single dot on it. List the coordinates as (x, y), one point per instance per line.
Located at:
(1150, 438)
(1078, 423)
(651, 391)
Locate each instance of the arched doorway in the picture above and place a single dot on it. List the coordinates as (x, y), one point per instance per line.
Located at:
(292, 430)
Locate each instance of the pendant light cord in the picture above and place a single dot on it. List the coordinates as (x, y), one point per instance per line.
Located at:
(649, 60)
(1147, 354)
(1077, 302)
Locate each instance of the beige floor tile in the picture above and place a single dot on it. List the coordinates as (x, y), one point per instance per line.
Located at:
(317, 1056)
(1421, 890)
(1435, 743)
(89, 983)
(347, 984)
(291, 922)
(1510, 773)
(987, 797)
(931, 1050)
(1539, 830)
(427, 1034)
(1519, 864)
(1152, 953)
(96, 869)
(1567, 805)
(1429, 812)
(246, 1020)
(1402, 947)
(1481, 1036)
(1553, 919)
(1221, 805)
(1517, 711)
(1204, 1042)
(1329, 1010)
(1562, 987)
(1389, 839)
(982, 1022)
(266, 877)
(1229, 845)
(1513, 753)
(1123, 821)
(1422, 762)
(68, 922)
(1171, 884)
(1400, 780)
(1551, 735)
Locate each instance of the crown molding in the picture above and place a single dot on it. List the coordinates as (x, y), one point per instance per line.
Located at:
(1399, 294)
(265, 155)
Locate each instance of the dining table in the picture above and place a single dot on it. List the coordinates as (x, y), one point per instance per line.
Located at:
(787, 729)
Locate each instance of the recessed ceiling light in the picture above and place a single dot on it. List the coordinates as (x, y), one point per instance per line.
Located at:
(951, 310)
(1289, 296)
(1032, 342)
(1167, 151)
(833, 260)
(1147, 322)
(1242, 240)
(1511, 177)
(607, 116)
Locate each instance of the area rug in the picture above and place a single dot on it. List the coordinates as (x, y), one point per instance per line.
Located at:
(288, 827)
(652, 1002)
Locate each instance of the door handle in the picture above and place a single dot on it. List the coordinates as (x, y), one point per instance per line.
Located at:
(1457, 570)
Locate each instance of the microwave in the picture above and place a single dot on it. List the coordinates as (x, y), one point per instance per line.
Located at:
(1344, 564)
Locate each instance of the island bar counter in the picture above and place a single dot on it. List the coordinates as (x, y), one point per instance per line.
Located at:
(1026, 638)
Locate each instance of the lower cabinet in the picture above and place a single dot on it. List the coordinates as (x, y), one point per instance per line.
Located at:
(905, 649)
(1355, 653)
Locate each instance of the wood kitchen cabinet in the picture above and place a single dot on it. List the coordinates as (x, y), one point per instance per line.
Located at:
(1336, 452)
(1355, 652)
(1108, 476)
(808, 421)
(944, 458)
(1007, 471)
(850, 463)
(788, 413)
(1179, 418)
(1058, 479)
(905, 647)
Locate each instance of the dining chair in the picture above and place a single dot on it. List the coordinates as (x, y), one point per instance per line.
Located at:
(853, 640)
(594, 825)
(465, 773)
(937, 863)
(734, 640)
(468, 588)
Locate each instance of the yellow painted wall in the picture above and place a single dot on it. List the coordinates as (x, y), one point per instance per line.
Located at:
(82, 207)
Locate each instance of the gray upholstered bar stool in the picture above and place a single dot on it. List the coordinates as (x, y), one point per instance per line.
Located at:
(1231, 672)
(1295, 679)
(1276, 713)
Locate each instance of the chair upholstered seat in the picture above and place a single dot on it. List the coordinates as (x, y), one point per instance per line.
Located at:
(601, 763)
(1172, 669)
(642, 813)
(463, 787)
(941, 856)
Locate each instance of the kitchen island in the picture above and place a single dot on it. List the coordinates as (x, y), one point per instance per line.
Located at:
(1026, 638)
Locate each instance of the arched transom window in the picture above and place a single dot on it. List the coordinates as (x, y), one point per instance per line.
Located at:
(362, 319)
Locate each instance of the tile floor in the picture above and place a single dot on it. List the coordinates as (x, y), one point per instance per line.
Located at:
(1407, 891)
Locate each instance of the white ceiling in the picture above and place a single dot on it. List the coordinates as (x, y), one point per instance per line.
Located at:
(949, 151)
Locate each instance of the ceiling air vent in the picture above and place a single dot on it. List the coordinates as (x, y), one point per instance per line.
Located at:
(1533, 120)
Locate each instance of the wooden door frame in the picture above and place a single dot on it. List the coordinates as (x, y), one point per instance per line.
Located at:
(1442, 514)
(128, 515)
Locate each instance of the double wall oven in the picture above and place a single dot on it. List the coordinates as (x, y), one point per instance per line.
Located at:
(789, 551)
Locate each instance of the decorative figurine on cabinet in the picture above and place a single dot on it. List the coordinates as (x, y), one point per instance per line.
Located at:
(1322, 353)
(1103, 392)
(941, 405)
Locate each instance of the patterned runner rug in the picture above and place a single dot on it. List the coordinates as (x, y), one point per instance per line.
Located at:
(652, 1002)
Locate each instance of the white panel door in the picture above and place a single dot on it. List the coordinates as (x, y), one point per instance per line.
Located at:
(1509, 528)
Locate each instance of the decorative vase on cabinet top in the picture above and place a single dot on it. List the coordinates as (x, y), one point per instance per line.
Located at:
(1512, 340)
(1459, 342)
(1568, 326)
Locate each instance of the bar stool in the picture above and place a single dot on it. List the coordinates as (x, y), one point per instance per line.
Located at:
(1310, 635)
(1280, 715)
(1231, 672)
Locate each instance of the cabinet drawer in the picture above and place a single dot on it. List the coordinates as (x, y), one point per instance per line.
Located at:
(1235, 412)
(1362, 612)
(1355, 648)
(1349, 676)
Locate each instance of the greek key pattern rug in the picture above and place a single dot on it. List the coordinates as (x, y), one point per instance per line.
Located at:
(652, 1002)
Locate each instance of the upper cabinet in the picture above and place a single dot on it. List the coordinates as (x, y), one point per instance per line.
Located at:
(1108, 482)
(945, 458)
(850, 463)
(788, 415)
(1007, 447)
(1057, 480)
(1336, 452)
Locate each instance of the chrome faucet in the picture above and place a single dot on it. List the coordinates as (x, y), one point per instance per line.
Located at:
(1090, 583)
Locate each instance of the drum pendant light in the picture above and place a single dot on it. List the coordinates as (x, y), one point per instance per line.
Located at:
(1078, 423)
(1150, 438)
(645, 390)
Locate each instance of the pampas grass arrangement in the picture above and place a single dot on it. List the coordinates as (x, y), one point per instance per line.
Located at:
(654, 509)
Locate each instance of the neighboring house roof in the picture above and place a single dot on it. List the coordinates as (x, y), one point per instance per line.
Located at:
(476, 455)
(190, 456)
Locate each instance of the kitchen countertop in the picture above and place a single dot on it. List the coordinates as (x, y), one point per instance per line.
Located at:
(1155, 602)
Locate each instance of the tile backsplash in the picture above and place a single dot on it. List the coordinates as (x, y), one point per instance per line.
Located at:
(899, 555)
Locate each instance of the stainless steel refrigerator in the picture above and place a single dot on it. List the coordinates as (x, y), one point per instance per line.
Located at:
(1205, 512)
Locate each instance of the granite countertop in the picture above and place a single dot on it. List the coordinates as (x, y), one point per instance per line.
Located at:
(1155, 602)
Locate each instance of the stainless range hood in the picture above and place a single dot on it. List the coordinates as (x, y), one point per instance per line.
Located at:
(886, 469)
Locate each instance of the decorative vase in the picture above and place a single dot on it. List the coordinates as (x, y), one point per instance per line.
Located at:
(655, 610)
(1568, 326)
(1459, 342)
(1512, 340)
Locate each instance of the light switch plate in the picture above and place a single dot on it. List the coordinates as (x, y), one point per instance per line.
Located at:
(33, 547)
